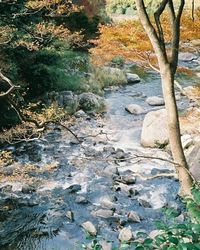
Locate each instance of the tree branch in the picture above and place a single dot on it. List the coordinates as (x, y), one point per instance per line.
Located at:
(176, 36)
(151, 32)
(157, 15)
(9, 82)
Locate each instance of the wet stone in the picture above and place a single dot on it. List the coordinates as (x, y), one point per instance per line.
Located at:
(28, 189)
(103, 213)
(89, 228)
(125, 235)
(74, 188)
(70, 215)
(129, 180)
(133, 217)
(144, 203)
(81, 200)
(107, 202)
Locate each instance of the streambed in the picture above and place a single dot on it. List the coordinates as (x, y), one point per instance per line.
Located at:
(61, 184)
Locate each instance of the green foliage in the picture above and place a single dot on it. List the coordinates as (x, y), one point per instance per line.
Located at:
(105, 77)
(118, 61)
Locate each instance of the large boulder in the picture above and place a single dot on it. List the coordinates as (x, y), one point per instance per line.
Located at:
(90, 102)
(154, 129)
(193, 159)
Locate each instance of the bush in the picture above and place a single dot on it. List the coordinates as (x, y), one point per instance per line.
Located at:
(105, 77)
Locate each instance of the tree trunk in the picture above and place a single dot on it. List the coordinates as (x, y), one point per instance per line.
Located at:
(167, 78)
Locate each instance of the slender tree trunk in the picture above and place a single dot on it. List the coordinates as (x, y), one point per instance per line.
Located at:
(167, 78)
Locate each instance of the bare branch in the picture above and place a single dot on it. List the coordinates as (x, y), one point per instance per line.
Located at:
(9, 82)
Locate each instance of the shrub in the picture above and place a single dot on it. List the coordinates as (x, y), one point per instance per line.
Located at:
(106, 77)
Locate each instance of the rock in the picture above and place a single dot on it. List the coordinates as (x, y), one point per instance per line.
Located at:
(90, 102)
(154, 233)
(135, 109)
(125, 235)
(74, 188)
(105, 245)
(129, 180)
(187, 141)
(193, 159)
(119, 154)
(65, 99)
(186, 56)
(80, 114)
(132, 78)
(70, 215)
(28, 189)
(106, 202)
(155, 101)
(103, 213)
(126, 190)
(144, 203)
(133, 217)
(89, 228)
(155, 129)
(81, 200)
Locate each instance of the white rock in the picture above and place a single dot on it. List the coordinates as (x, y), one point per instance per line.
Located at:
(103, 213)
(155, 129)
(135, 109)
(125, 234)
(132, 78)
(155, 101)
(186, 56)
(106, 202)
(90, 228)
(133, 217)
(186, 141)
(105, 245)
(154, 233)
(193, 159)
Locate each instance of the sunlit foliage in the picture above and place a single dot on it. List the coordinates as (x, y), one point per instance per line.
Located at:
(128, 39)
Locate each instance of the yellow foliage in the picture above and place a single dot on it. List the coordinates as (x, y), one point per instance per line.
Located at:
(55, 7)
(129, 40)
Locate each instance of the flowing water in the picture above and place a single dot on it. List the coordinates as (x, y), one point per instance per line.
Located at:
(68, 177)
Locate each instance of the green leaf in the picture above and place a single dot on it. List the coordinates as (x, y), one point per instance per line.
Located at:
(141, 235)
(196, 228)
(147, 242)
(173, 240)
(188, 246)
(160, 239)
(161, 225)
